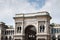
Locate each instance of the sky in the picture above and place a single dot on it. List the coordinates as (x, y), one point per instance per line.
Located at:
(8, 9)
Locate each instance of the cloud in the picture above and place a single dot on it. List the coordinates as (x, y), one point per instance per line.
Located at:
(37, 4)
(8, 9)
(53, 7)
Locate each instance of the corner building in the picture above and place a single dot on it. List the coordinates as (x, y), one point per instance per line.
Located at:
(32, 26)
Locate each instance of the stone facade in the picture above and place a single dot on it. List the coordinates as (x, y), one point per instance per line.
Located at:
(38, 21)
(55, 32)
(5, 32)
(31, 26)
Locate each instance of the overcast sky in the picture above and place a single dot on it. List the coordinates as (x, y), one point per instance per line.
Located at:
(8, 9)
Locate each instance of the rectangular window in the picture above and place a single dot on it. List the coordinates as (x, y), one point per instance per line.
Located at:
(58, 30)
(18, 29)
(54, 30)
(51, 30)
(39, 24)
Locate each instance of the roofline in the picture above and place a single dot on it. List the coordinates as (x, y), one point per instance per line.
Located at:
(9, 29)
(32, 14)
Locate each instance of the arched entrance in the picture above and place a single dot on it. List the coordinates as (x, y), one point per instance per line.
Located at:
(30, 33)
(59, 37)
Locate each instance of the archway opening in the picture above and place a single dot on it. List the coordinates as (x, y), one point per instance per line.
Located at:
(30, 33)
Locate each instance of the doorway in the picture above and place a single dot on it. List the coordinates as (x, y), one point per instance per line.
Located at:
(30, 33)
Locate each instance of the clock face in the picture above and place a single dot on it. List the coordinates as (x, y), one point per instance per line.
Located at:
(37, 3)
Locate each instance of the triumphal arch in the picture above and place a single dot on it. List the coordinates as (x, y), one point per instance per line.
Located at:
(32, 26)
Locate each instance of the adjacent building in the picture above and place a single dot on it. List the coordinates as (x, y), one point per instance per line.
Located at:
(6, 33)
(55, 32)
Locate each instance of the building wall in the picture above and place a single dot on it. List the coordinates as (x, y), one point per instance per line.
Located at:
(55, 31)
(3, 32)
(22, 21)
(36, 21)
(2, 29)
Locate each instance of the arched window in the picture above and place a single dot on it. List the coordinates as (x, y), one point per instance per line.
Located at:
(58, 37)
(42, 28)
(2, 38)
(6, 38)
(53, 37)
(18, 29)
(10, 38)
